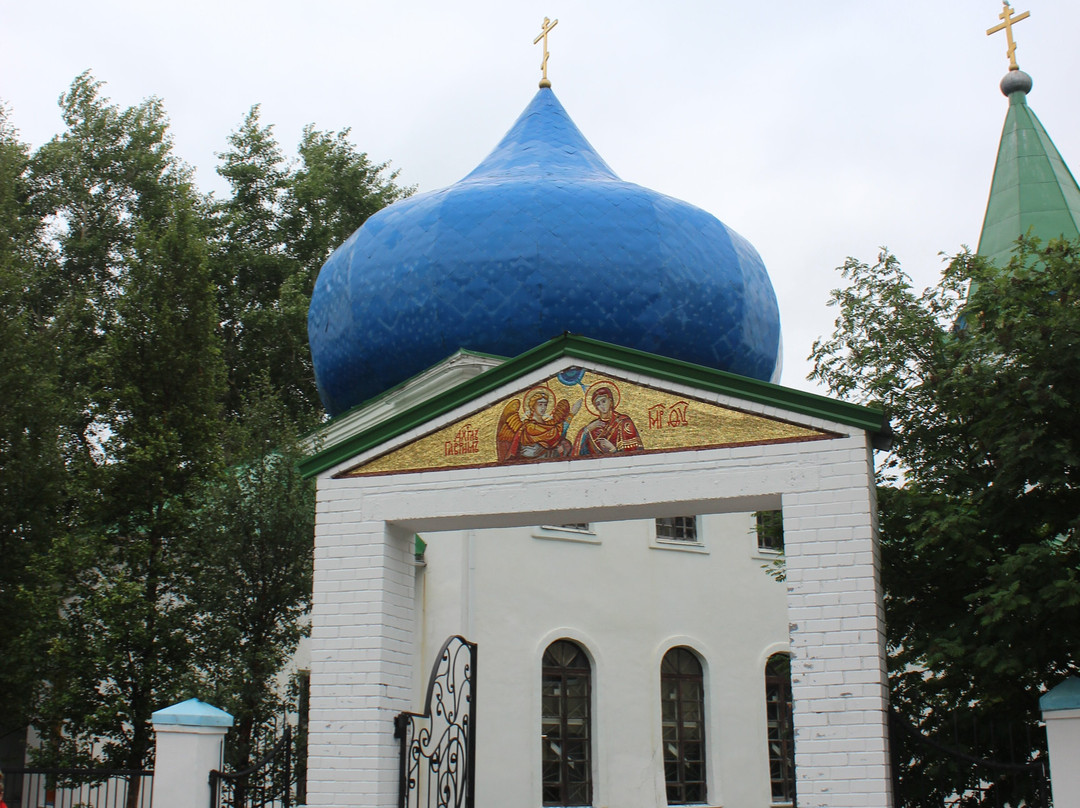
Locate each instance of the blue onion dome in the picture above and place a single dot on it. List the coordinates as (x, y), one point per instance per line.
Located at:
(540, 239)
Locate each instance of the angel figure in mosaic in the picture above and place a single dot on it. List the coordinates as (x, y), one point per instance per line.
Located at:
(535, 426)
(611, 432)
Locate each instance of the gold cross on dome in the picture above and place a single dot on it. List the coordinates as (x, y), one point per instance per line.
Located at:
(544, 30)
(1006, 24)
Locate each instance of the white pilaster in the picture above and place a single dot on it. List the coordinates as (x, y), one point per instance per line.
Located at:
(363, 627)
(839, 681)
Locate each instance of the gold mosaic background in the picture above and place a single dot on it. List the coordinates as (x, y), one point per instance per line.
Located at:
(662, 422)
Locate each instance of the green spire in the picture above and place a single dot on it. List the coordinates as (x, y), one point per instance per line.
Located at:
(1033, 189)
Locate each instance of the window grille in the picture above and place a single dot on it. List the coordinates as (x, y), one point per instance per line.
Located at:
(677, 528)
(781, 733)
(682, 709)
(565, 725)
(770, 531)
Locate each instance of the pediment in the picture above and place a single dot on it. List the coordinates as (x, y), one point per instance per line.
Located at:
(582, 414)
(489, 413)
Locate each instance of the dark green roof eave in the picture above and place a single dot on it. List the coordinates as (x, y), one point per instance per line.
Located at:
(587, 351)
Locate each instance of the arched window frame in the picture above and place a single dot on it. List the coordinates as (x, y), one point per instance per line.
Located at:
(683, 726)
(566, 725)
(780, 730)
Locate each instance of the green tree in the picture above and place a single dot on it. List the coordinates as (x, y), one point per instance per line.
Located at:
(274, 232)
(136, 325)
(253, 537)
(333, 191)
(249, 260)
(155, 375)
(980, 497)
(32, 491)
(124, 646)
(109, 173)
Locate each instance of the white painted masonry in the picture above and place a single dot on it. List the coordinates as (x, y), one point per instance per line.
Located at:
(1063, 739)
(189, 742)
(617, 592)
(1061, 712)
(374, 630)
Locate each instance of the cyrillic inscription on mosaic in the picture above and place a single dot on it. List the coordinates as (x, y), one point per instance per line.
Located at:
(579, 414)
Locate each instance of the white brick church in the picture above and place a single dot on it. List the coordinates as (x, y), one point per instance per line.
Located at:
(556, 433)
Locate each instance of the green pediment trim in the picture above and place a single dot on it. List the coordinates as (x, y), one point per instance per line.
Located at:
(1033, 192)
(590, 351)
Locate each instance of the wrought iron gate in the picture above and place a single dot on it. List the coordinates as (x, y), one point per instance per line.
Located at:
(267, 784)
(438, 761)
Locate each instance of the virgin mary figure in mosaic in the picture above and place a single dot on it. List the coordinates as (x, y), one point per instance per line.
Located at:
(611, 432)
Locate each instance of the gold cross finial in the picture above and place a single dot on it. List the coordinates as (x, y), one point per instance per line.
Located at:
(1006, 24)
(544, 30)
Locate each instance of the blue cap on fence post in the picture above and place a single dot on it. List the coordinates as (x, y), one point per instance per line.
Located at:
(1065, 696)
(191, 713)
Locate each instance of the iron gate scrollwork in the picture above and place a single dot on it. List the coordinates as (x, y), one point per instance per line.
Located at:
(438, 761)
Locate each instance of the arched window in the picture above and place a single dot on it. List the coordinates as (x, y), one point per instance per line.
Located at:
(565, 725)
(781, 731)
(682, 711)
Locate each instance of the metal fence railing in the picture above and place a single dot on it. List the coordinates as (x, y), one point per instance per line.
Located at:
(78, 788)
(965, 762)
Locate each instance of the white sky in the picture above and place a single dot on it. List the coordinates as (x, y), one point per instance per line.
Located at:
(817, 130)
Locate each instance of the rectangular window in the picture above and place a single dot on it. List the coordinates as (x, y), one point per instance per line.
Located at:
(574, 532)
(770, 531)
(677, 528)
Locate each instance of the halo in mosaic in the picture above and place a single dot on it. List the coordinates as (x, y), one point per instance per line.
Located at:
(542, 238)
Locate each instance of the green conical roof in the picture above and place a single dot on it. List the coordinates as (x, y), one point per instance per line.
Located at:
(1033, 189)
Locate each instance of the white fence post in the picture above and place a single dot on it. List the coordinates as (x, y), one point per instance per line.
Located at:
(1061, 712)
(190, 742)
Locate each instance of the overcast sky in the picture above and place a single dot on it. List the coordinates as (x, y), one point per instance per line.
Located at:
(817, 130)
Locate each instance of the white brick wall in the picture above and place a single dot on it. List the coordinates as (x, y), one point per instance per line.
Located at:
(838, 665)
(361, 658)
